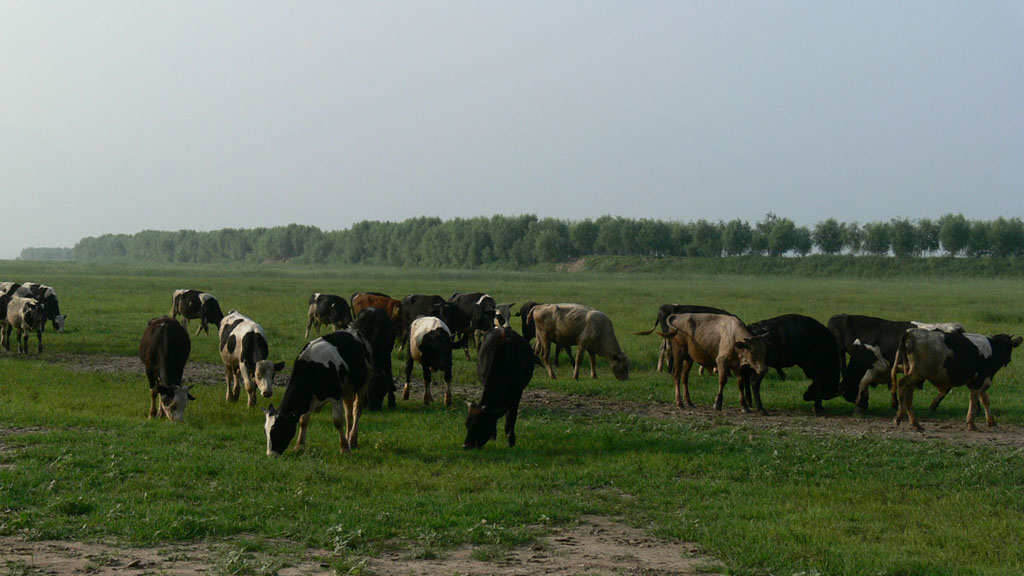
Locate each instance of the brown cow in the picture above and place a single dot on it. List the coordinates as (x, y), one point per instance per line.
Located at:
(714, 341)
(390, 306)
(581, 326)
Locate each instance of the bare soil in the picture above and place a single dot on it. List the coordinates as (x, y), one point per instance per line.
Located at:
(597, 545)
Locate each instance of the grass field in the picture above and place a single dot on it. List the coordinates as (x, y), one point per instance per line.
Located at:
(79, 460)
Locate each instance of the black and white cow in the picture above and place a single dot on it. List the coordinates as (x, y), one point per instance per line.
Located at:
(505, 366)
(335, 368)
(25, 315)
(797, 340)
(415, 305)
(328, 309)
(375, 326)
(48, 298)
(949, 360)
(192, 304)
(244, 351)
(164, 350)
(430, 344)
(471, 314)
(8, 288)
(503, 315)
(661, 324)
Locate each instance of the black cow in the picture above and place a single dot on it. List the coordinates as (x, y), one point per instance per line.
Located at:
(529, 331)
(505, 366)
(334, 368)
(328, 309)
(192, 304)
(661, 323)
(164, 350)
(796, 340)
(471, 313)
(374, 325)
(415, 305)
(47, 297)
(430, 344)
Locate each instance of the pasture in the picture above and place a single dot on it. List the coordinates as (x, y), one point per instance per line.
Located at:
(783, 494)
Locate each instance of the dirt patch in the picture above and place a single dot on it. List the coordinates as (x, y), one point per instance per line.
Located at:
(598, 545)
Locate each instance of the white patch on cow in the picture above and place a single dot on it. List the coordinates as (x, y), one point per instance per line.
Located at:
(316, 295)
(175, 410)
(424, 325)
(204, 297)
(178, 293)
(982, 343)
(948, 327)
(268, 423)
(482, 298)
(324, 353)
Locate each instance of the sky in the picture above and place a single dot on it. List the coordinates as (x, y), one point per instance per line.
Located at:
(117, 117)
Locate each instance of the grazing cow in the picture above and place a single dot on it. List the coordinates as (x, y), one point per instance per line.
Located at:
(588, 329)
(244, 351)
(47, 297)
(8, 288)
(530, 332)
(471, 314)
(430, 344)
(796, 340)
(374, 326)
(164, 350)
(949, 360)
(871, 343)
(192, 304)
(334, 368)
(503, 315)
(390, 306)
(415, 305)
(714, 341)
(505, 366)
(327, 309)
(24, 315)
(661, 323)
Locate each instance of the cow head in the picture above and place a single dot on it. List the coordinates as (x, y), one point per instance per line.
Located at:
(58, 322)
(503, 315)
(173, 401)
(1002, 347)
(444, 311)
(264, 376)
(480, 427)
(280, 429)
(620, 365)
(436, 348)
(752, 352)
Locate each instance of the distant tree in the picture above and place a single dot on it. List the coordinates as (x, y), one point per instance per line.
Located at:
(928, 236)
(760, 238)
(707, 240)
(583, 235)
(782, 238)
(1007, 237)
(853, 237)
(876, 238)
(802, 242)
(653, 237)
(954, 233)
(736, 237)
(979, 242)
(682, 237)
(903, 238)
(828, 236)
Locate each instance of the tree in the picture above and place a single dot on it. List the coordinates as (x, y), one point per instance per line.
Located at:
(927, 236)
(736, 237)
(707, 240)
(876, 238)
(782, 238)
(954, 232)
(853, 237)
(802, 242)
(1007, 237)
(583, 235)
(979, 242)
(828, 236)
(903, 238)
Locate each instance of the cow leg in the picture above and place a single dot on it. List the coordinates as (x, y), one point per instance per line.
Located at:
(339, 413)
(662, 352)
(228, 376)
(448, 387)
(153, 394)
(22, 341)
(39, 338)
(757, 394)
(723, 375)
(510, 423)
(309, 324)
(684, 370)
(938, 399)
(427, 398)
(199, 329)
(579, 361)
(908, 401)
(743, 382)
(466, 339)
(408, 378)
(356, 411)
(300, 442)
(972, 409)
(989, 418)
(250, 391)
(593, 364)
(545, 346)
(860, 405)
(7, 337)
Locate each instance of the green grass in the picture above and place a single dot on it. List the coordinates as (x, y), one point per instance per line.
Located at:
(88, 464)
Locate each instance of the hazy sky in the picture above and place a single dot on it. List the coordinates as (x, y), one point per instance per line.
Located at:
(124, 116)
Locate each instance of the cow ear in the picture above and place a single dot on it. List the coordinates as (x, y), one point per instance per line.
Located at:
(1015, 341)
(279, 366)
(475, 409)
(190, 396)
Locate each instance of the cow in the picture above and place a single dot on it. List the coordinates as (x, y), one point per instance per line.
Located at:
(244, 351)
(415, 305)
(390, 306)
(471, 314)
(430, 344)
(8, 288)
(871, 343)
(192, 304)
(797, 340)
(948, 360)
(48, 298)
(505, 366)
(577, 325)
(336, 368)
(714, 341)
(164, 350)
(529, 332)
(661, 322)
(24, 315)
(374, 326)
(503, 315)
(327, 309)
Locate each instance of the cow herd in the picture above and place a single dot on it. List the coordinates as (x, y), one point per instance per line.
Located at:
(351, 368)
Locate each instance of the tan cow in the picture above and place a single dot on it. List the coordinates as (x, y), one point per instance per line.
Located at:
(577, 325)
(714, 341)
(26, 315)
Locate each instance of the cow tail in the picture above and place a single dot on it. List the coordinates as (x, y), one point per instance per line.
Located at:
(668, 335)
(900, 363)
(647, 332)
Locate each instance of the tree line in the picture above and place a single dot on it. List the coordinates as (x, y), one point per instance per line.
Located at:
(527, 240)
